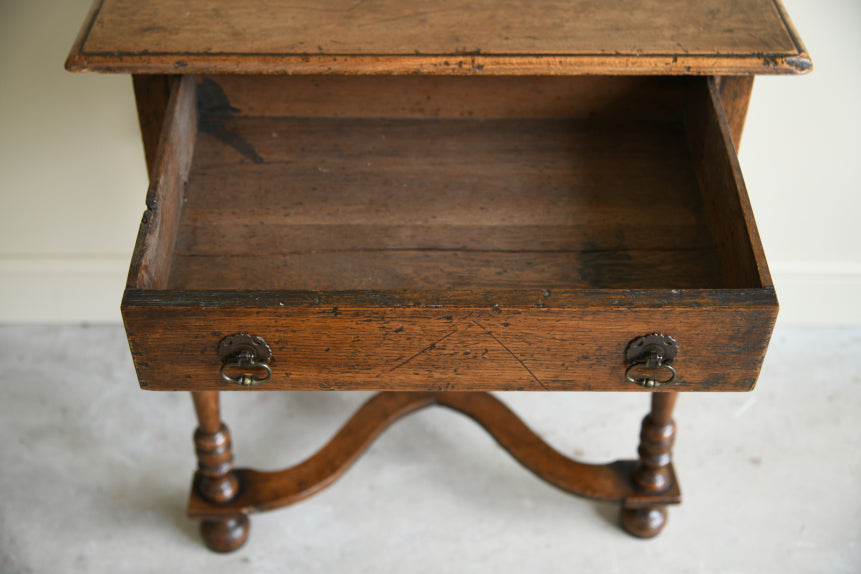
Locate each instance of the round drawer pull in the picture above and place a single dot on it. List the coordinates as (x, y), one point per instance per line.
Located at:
(245, 360)
(248, 369)
(652, 354)
(649, 382)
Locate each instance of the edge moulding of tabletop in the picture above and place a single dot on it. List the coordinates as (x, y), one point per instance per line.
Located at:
(542, 196)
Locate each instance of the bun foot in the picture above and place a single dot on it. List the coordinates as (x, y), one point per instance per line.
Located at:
(225, 535)
(644, 522)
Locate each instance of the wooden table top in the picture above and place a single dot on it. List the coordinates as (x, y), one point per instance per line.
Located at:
(440, 37)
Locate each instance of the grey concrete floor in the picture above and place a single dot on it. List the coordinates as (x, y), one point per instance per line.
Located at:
(94, 473)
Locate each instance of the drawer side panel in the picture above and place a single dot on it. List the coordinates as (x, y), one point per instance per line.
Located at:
(728, 209)
(151, 262)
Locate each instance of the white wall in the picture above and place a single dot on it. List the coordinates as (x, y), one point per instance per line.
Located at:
(72, 178)
(801, 158)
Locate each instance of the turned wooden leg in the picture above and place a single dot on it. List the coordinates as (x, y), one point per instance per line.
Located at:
(216, 483)
(653, 473)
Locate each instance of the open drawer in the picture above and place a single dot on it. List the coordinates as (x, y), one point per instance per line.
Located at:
(457, 233)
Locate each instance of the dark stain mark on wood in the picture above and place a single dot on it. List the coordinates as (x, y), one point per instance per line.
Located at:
(212, 101)
(800, 63)
(601, 267)
(217, 129)
(212, 105)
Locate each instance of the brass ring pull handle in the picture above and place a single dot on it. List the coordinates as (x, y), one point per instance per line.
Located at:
(245, 360)
(651, 353)
(649, 382)
(248, 368)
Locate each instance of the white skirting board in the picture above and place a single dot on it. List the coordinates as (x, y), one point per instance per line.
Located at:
(818, 293)
(89, 290)
(62, 290)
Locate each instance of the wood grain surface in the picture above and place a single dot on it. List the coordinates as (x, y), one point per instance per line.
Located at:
(342, 204)
(730, 214)
(152, 94)
(562, 341)
(445, 97)
(735, 94)
(440, 37)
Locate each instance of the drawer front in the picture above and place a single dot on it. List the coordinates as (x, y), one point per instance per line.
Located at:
(560, 342)
(514, 252)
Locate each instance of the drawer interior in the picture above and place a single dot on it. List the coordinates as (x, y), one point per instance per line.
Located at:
(447, 183)
(428, 233)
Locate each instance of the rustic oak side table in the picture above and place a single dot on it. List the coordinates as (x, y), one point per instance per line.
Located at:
(438, 199)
